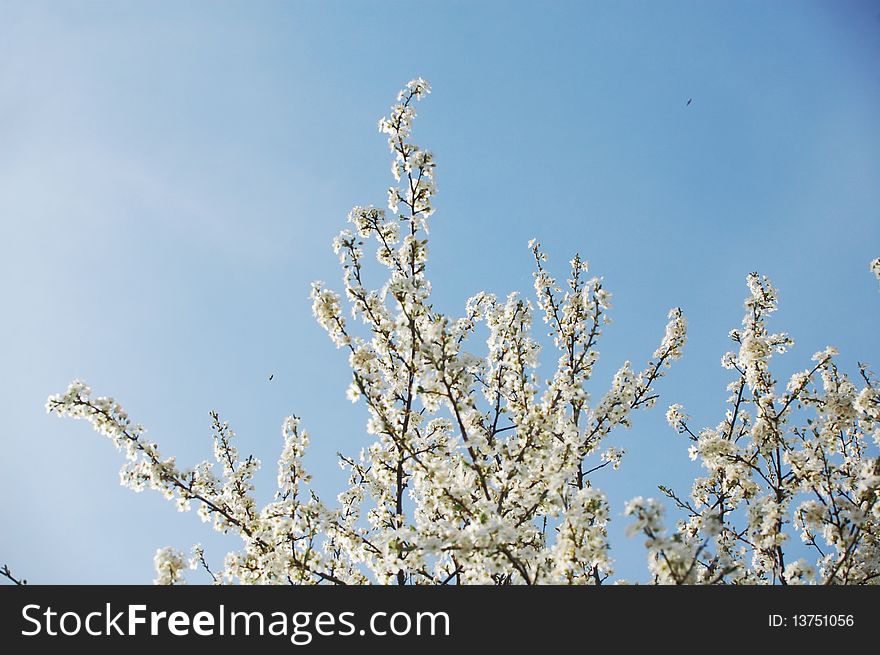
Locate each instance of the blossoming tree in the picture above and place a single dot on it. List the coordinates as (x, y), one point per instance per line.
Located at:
(477, 472)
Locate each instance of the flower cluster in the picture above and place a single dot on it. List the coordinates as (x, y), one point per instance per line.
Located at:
(169, 565)
(478, 471)
(782, 463)
(475, 470)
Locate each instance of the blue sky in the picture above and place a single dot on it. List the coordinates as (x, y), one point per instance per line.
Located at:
(171, 175)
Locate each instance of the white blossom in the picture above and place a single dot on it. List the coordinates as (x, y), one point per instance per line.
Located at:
(169, 565)
(477, 470)
(779, 462)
